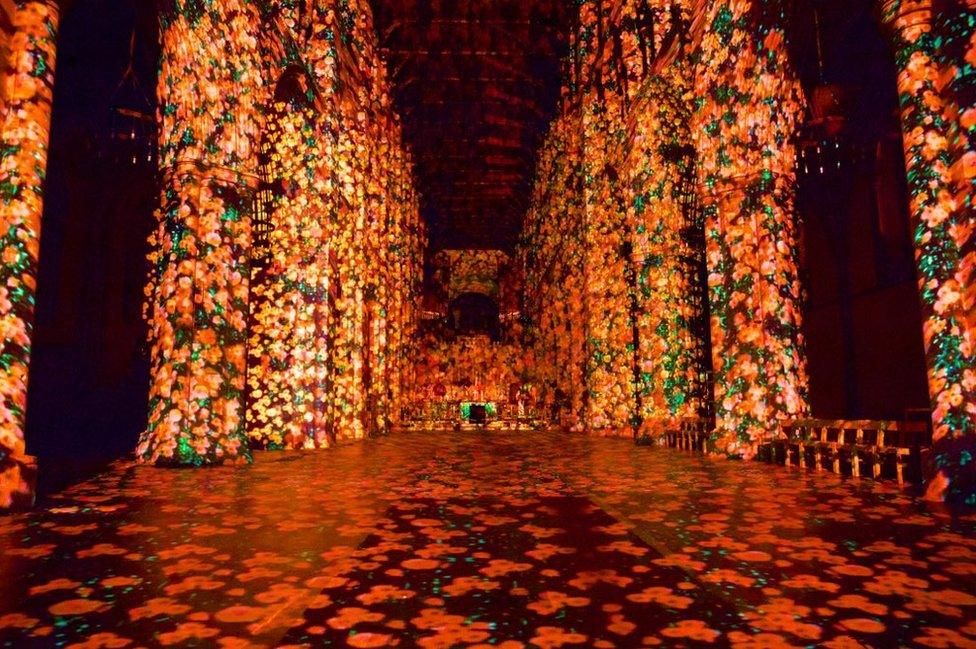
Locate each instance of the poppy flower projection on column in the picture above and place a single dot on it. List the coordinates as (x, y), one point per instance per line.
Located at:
(748, 104)
(26, 93)
(320, 351)
(667, 255)
(729, 103)
(212, 94)
(552, 253)
(936, 52)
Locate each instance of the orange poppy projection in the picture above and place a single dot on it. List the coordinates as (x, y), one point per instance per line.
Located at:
(655, 280)
(502, 544)
(330, 292)
(27, 81)
(305, 341)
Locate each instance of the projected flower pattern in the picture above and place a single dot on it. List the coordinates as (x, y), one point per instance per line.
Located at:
(379, 249)
(287, 371)
(473, 368)
(936, 53)
(469, 367)
(748, 102)
(212, 97)
(456, 539)
(346, 243)
(470, 271)
(658, 163)
(747, 107)
(214, 91)
(610, 335)
(552, 254)
(330, 265)
(25, 119)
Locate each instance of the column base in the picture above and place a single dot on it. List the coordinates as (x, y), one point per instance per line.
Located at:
(18, 482)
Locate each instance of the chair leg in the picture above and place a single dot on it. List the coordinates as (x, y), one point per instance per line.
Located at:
(855, 463)
(900, 468)
(875, 466)
(801, 455)
(835, 465)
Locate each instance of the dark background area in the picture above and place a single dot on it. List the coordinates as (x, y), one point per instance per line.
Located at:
(89, 371)
(862, 318)
(89, 374)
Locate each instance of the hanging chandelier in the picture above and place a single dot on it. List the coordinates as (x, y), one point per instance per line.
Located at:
(130, 139)
(822, 148)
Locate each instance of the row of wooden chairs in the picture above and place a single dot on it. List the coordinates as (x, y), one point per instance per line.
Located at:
(839, 444)
(691, 434)
(836, 445)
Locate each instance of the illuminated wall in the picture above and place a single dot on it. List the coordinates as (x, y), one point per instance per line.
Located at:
(552, 253)
(748, 103)
(27, 78)
(610, 335)
(936, 54)
(287, 372)
(330, 308)
(470, 271)
(212, 95)
(715, 78)
(292, 277)
(468, 368)
(459, 365)
(665, 239)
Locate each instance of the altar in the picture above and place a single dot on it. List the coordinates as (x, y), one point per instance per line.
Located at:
(478, 412)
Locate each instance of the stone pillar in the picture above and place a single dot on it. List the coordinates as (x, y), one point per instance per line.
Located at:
(748, 102)
(212, 95)
(29, 31)
(935, 52)
(659, 163)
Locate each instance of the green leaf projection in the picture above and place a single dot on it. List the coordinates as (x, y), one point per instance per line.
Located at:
(27, 80)
(936, 55)
(697, 144)
(304, 347)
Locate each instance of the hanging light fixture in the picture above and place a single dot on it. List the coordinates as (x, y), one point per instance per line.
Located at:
(822, 148)
(130, 139)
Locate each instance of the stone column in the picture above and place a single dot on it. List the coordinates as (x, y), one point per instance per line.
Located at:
(212, 95)
(29, 32)
(935, 52)
(660, 160)
(748, 102)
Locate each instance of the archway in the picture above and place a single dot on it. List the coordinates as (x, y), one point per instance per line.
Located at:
(472, 314)
(289, 305)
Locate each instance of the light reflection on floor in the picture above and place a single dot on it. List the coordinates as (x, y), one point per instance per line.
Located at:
(499, 539)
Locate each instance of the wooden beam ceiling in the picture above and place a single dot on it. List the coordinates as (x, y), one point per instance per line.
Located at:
(476, 82)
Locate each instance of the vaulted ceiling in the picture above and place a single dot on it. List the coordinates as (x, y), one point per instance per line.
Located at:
(476, 83)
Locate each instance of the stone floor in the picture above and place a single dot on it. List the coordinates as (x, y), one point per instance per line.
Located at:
(498, 539)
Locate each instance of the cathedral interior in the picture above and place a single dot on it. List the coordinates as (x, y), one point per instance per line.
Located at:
(497, 323)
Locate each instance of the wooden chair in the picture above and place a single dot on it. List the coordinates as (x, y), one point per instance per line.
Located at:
(902, 443)
(840, 443)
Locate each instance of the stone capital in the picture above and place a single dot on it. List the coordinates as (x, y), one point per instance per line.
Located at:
(908, 18)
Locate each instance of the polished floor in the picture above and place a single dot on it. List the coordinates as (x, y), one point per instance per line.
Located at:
(488, 539)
